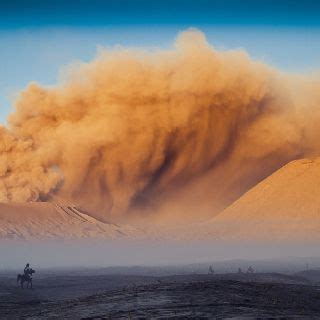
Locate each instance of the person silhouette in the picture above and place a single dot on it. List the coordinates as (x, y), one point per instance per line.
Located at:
(27, 271)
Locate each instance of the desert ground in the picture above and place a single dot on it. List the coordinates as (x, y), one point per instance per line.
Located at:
(94, 295)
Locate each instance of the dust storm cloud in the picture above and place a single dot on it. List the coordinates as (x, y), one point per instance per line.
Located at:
(163, 135)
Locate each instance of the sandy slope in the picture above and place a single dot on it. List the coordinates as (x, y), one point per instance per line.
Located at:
(47, 220)
(284, 206)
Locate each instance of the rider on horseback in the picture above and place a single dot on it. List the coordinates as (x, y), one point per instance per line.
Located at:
(26, 276)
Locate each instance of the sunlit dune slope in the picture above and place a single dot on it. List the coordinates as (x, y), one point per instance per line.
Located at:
(44, 220)
(284, 206)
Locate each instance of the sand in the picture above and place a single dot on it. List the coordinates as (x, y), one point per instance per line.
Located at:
(283, 207)
(44, 220)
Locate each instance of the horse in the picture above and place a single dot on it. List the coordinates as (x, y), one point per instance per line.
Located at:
(22, 278)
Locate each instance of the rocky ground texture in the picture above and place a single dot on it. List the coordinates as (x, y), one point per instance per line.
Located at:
(174, 297)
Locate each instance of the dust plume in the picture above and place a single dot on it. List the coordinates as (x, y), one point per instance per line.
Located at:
(25, 175)
(161, 135)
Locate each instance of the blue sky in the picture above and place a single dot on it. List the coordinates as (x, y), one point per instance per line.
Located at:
(38, 37)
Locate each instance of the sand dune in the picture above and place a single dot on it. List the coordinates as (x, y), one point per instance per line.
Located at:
(284, 206)
(44, 220)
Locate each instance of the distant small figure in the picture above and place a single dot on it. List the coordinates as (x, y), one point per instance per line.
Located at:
(250, 270)
(27, 270)
(240, 270)
(211, 270)
(26, 276)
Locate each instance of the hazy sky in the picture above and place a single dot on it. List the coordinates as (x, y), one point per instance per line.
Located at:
(39, 37)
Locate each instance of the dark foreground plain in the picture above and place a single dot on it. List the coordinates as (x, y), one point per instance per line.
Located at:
(220, 296)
